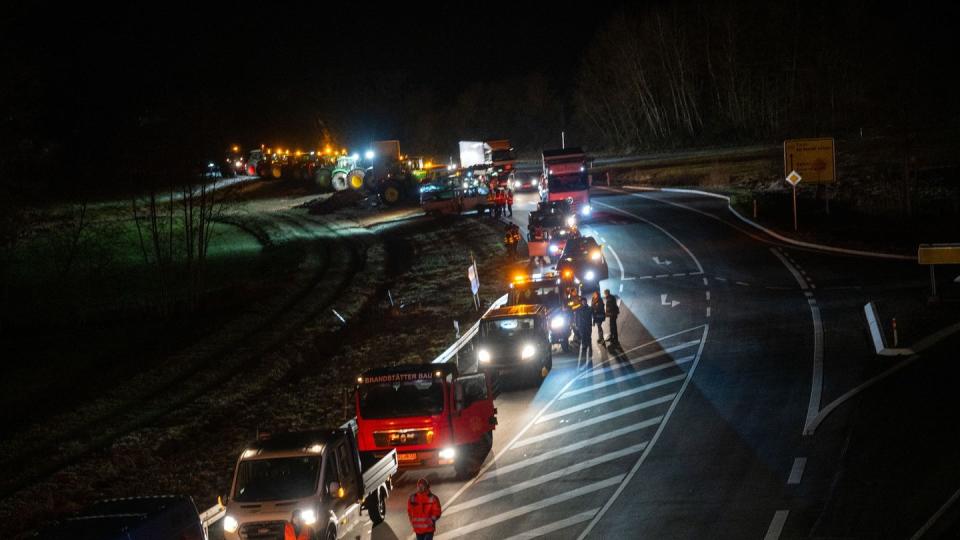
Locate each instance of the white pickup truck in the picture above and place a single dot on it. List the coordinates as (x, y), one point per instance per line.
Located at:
(313, 479)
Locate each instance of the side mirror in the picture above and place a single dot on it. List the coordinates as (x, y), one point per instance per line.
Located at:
(335, 490)
(222, 501)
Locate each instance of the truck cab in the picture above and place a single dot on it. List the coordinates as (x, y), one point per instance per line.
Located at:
(547, 290)
(310, 479)
(430, 414)
(515, 340)
(565, 177)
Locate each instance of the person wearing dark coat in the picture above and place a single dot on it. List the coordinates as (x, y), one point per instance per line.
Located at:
(612, 311)
(599, 314)
(584, 320)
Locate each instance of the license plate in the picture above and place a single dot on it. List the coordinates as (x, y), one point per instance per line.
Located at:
(406, 457)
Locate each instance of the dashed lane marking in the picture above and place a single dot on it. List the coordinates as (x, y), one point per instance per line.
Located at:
(555, 526)
(598, 420)
(776, 526)
(743, 284)
(614, 397)
(591, 388)
(708, 296)
(796, 473)
(529, 508)
(708, 312)
(545, 478)
(550, 454)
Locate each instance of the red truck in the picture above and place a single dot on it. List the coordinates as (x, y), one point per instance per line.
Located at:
(429, 413)
(565, 177)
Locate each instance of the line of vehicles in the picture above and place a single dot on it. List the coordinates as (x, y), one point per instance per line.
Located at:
(318, 484)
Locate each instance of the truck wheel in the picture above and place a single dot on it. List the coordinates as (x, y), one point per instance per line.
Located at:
(331, 533)
(377, 507)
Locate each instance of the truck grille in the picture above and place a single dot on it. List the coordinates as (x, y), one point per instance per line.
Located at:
(401, 437)
(264, 530)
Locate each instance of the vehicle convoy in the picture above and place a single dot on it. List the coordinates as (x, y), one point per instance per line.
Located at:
(515, 340)
(548, 229)
(170, 517)
(546, 289)
(565, 177)
(390, 178)
(582, 263)
(430, 414)
(311, 479)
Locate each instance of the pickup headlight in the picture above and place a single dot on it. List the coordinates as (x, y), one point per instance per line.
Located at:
(571, 221)
(586, 210)
(483, 355)
(517, 184)
(535, 182)
(595, 255)
(230, 524)
(554, 249)
(308, 516)
(527, 352)
(557, 322)
(589, 275)
(448, 453)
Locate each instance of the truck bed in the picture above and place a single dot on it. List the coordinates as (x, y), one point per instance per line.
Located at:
(381, 471)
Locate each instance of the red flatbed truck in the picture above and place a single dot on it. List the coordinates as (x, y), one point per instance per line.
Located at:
(565, 178)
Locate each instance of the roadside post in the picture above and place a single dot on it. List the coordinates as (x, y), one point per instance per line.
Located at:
(934, 254)
(794, 178)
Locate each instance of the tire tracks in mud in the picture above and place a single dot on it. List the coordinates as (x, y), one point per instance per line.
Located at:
(65, 440)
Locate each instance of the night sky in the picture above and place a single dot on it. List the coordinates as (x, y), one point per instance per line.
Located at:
(252, 75)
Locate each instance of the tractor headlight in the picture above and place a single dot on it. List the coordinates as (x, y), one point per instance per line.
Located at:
(527, 352)
(308, 516)
(557, 322)
(230, 524)
(483, 355)
(589, 275)
(586, 210)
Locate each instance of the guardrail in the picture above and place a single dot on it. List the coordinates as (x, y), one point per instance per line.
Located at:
(216, 512)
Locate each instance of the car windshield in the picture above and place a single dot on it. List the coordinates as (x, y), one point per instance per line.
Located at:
(498, 329)
(421, 397)
(277, 479)
(567, 182)
(579, 248)
(547, 296)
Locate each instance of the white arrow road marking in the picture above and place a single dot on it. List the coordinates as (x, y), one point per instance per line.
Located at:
(663, 262)
(462, 532)
(663, 301)
(543, 479)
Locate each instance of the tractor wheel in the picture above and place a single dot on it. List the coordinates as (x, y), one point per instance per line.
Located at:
(339, 181)
(276, 172)
(391, 193)
(355, 178)
(321, 177)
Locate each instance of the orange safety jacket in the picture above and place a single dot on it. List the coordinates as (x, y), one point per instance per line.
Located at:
(290, 534)
(424, 510)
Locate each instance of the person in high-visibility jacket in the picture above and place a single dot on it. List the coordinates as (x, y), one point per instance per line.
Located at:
(423, 508)
(290, 532)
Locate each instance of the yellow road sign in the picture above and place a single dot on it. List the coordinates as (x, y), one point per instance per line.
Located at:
(813, 159)
(938, 254)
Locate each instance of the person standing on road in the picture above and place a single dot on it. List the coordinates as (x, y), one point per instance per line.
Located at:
(423, 509)
(584, 321)
(599, 314)
(510, 202)
(613, 311)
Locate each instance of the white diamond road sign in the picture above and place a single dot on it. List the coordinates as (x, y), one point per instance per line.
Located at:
(794, 178)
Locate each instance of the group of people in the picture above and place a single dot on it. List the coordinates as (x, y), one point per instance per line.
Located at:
(588, 316)
(501, 201)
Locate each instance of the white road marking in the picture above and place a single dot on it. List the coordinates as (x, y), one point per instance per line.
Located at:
(593, 421)
(661, 352)
(550, 454)
(679, 275)
(744, 284)
(720, 278)
(636, 466)
(705, 282)
(796, 473)
(591, 388)
(555, 526)
(816, 385)
(659, 228)
(708, 312)
(621, 288)
(623, 272)
(526, 509)
(645, 277)
(614, 397)
(776, 526)
(933, 519)
(543, 479)
(708, 296)
(662, 276)
(632, 278)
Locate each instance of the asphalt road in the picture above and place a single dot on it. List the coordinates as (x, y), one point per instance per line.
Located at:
(694, 427)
